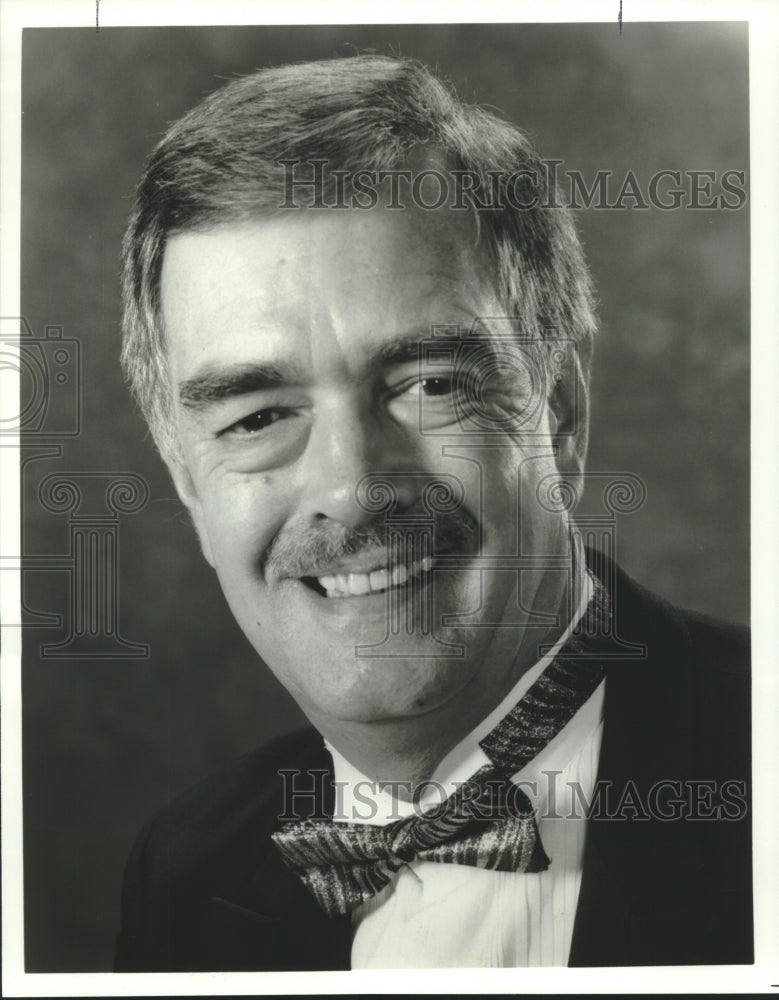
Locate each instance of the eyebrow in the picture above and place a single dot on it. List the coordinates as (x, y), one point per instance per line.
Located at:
(219, 384)
(216, 385)
(410, 348)
(400, 351)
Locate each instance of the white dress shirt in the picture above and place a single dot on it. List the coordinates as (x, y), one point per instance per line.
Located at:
(447, 915)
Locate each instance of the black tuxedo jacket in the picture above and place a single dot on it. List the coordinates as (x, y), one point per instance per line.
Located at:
(205, 889)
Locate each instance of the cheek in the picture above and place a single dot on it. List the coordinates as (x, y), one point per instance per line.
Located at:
(515, 489)
(241, 516)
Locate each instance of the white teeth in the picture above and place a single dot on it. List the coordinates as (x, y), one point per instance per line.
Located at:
(357, 584)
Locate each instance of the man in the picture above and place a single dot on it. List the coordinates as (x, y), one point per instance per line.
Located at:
(360, 324)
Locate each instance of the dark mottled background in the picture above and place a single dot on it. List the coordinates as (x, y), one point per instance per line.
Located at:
(107, 741)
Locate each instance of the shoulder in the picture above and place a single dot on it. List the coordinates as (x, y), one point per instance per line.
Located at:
(211, 845)
(255, 772)
(694, 674)
(724, 646)
(206, 819)
(206, 842)
(209, 841)
(705, 642)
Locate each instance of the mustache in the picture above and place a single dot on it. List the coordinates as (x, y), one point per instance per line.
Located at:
(302, 550)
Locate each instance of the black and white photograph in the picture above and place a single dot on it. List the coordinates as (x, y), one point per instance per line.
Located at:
(392, 581)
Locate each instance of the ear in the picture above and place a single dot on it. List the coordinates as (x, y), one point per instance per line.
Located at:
(185, 488)
(568, 407)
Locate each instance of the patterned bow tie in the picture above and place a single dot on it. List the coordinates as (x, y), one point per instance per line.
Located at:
(488, 822)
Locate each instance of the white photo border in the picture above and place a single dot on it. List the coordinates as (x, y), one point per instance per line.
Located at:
(763, 976)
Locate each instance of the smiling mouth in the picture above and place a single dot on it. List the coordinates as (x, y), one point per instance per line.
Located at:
(362, 584)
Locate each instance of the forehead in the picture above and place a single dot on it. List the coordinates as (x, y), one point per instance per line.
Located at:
(319, 286)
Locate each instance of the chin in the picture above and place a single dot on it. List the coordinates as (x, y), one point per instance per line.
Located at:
(382, 688)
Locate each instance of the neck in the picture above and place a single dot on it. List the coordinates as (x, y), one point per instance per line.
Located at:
(403, 752)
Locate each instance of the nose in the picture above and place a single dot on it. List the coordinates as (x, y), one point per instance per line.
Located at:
(349, 442)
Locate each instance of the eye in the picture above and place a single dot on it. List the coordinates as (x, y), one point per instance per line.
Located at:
(457, 390)
(263, 438)
(431, 401)
(255, 423)
(443, 387)
(436, 386)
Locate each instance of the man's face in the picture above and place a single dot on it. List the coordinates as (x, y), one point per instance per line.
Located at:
(293, 345)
